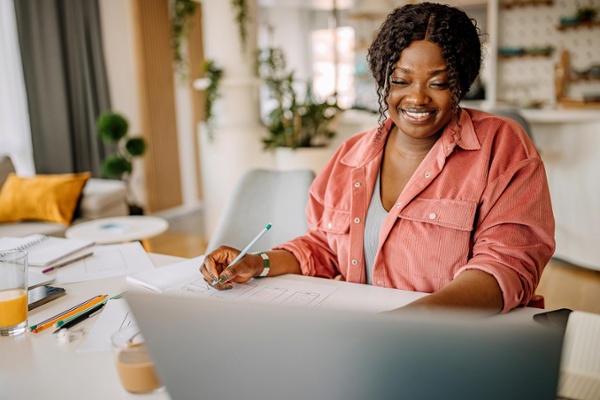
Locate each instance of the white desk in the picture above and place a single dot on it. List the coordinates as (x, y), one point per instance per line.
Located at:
(38, 366)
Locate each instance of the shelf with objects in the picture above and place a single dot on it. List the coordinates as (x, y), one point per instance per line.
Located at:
(508, 4)
(564, 77)
(563, 26)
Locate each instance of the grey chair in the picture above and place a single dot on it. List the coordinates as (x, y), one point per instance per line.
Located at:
(260, 197)
(514, 114)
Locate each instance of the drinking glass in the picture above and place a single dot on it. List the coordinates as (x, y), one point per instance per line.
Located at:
(13, 292)
(134, 366)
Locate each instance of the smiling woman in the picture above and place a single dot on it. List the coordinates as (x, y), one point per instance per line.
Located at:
(437, 199)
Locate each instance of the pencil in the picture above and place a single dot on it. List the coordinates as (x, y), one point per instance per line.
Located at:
(243, 252)
(46, 325)
(68, 262)
(65, 321)
(59, 315)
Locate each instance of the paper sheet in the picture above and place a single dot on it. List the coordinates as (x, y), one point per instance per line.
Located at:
(580, 365)
(116, 315)
(108, 261)
(184, 278)
(161, 279)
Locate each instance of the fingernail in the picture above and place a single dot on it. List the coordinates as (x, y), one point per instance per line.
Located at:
(222, 279)
(229, 287)
(215, 280)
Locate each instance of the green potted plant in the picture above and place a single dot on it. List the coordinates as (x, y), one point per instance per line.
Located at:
(209, 84)
(293, 123)
(112, 127)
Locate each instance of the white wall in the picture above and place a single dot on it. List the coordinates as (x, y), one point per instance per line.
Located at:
(119, 43)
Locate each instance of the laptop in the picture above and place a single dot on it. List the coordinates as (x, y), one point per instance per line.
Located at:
(208, 349)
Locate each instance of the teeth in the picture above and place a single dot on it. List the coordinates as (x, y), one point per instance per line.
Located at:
(417, 114)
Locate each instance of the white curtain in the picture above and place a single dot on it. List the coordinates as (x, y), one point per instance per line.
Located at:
(15, 132)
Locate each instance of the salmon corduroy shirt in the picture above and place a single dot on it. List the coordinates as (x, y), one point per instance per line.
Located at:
(479, 200)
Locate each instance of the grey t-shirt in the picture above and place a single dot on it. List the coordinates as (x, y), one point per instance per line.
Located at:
(375, 216)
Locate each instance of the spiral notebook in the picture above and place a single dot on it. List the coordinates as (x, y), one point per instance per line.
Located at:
(43, 251)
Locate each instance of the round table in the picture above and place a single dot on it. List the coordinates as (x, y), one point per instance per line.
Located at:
(119, 229)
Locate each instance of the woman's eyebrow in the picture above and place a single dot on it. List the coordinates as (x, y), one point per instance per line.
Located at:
(434, 72)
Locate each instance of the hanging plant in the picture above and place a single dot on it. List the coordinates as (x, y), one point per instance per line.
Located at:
(210, 85)
(181, 16)
(241, 18)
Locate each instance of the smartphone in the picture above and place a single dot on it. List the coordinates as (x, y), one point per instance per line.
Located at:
(557, 318)
(43, 294)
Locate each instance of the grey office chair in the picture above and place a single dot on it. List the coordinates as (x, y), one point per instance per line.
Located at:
(514, 113)
(260, 197)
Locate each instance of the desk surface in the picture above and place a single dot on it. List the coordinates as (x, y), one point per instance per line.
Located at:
(38, 366)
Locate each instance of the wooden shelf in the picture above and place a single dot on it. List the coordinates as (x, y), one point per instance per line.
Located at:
(579, 25)
(508, 4)
(525, 55)
(576, 79)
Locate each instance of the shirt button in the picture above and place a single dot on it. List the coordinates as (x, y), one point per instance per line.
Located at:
(329, 225)
(354, 262)
(449, 147)
(356, 220)
(357, 184)
(398, 205)
(427, 174)
(432, 216)
(380, 283)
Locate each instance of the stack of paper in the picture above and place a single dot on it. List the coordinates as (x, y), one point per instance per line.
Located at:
(580, 365)
(44, 250)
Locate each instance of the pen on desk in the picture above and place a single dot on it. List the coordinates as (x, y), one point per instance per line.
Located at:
(67, 322)
(59, 315)
(46, 325)
(71, 261)
(82, 316)
(243, 252)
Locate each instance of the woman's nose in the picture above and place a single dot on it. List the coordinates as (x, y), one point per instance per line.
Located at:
(417, 94)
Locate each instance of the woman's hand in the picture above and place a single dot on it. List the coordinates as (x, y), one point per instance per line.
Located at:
(215, 267)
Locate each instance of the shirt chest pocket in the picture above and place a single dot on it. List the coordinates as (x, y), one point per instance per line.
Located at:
(453, 214)
(335, 221)
(433, 239)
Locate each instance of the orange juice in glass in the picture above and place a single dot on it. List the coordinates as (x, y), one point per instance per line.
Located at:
(13, 292)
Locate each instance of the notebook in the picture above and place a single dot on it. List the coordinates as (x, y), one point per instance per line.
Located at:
(35, 279)
(222, 350)
(42, 250)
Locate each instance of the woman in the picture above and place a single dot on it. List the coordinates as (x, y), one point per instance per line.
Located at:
(438, 199)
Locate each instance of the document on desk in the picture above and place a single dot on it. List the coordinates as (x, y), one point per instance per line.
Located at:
(580, 366)
(108, 261)
(184, 279)
(116, 315)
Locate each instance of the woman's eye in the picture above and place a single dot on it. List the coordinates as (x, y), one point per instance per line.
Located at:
(399, 82)
(441, 85)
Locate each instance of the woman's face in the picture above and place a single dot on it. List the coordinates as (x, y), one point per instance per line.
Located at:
(420, 102)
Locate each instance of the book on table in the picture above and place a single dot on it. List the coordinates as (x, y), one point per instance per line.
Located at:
(42, 250)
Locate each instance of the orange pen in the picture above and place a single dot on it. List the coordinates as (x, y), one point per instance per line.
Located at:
(50, 322)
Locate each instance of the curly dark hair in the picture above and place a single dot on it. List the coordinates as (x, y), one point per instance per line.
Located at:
(450, 28)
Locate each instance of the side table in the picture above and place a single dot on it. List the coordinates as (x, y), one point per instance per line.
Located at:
(119, 229)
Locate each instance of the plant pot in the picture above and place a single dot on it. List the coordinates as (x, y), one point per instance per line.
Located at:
(313, 158)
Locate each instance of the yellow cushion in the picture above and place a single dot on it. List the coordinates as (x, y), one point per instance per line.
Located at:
(51, 198)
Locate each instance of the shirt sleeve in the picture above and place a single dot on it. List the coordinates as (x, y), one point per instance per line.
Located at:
(514, 231)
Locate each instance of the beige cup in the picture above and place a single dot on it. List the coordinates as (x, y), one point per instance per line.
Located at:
(13, 292)
(135, 368)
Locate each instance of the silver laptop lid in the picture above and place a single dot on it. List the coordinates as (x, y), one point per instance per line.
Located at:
(216, 350)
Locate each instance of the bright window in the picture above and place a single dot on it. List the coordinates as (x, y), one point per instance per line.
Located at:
(331, 73)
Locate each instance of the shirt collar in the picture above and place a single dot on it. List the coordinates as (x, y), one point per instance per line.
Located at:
(371, 144)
